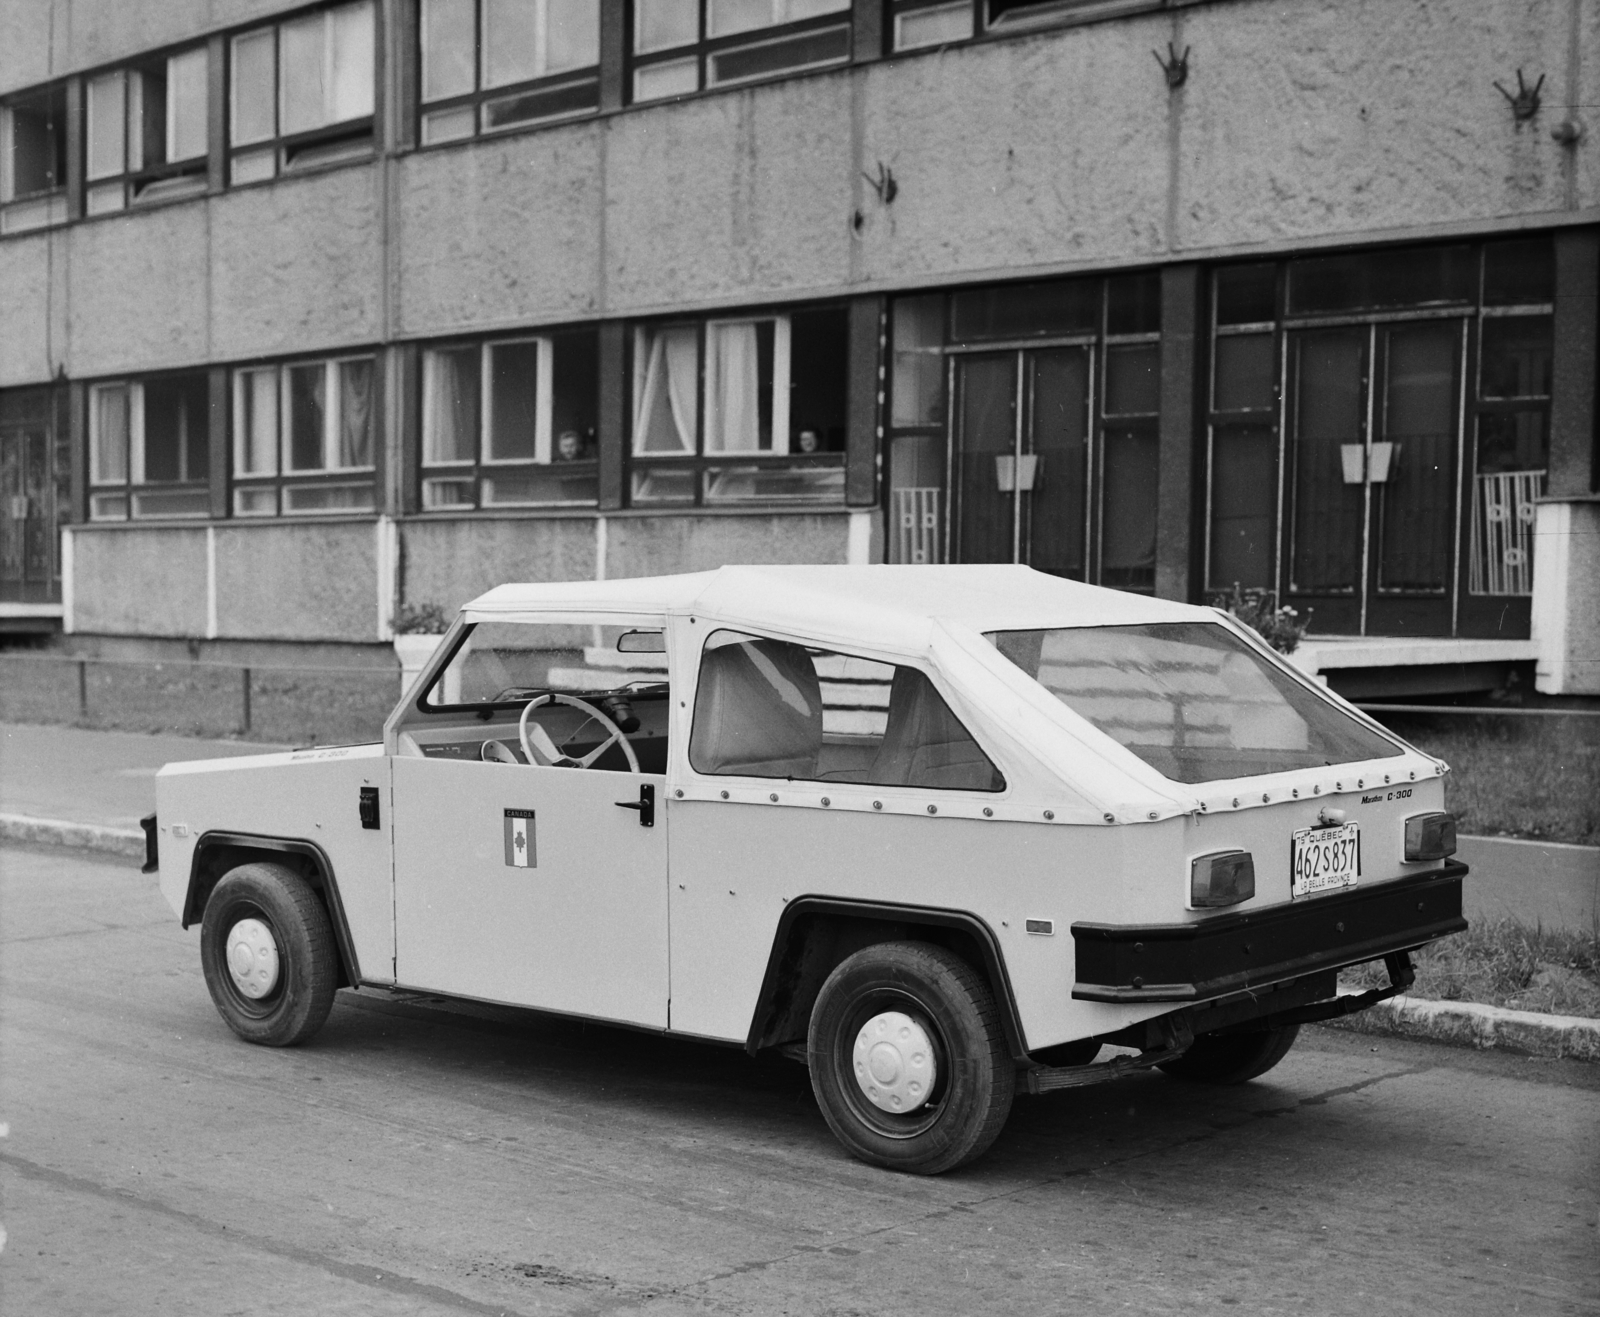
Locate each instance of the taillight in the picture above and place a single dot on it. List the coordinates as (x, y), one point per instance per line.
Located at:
(1430, 836)
(1224, 878)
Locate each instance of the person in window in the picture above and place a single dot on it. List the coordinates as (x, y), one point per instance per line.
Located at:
(808, 441)
(569, 446)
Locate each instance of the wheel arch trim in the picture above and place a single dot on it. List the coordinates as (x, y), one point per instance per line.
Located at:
(194, 905)
(962, 921)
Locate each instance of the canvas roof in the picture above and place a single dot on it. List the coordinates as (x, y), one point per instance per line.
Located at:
(890, 607)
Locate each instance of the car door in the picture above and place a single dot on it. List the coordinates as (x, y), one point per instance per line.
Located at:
(528, 885)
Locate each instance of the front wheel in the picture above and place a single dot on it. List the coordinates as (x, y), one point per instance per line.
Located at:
(908, 1059)
(268, 952)
(1233, 1058)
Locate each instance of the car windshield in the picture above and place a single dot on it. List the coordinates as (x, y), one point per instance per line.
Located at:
(1191, 699)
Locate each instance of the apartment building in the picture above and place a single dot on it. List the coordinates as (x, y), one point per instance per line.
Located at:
(316, 314)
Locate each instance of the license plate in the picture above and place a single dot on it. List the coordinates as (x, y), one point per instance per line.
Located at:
(1325, 859)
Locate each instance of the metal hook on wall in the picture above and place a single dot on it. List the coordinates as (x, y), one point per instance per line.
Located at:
(884, 184)
(1175, 66)
(1525, 104)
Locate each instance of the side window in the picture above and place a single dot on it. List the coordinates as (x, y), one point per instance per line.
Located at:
(772, 708)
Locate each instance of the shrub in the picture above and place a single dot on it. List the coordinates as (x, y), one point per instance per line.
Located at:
(1258, 609)
(421, 620)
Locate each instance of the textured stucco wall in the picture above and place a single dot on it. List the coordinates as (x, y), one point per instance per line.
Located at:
(27, 351)
(1302, 122)
(450, 562)
(297, 266)
(307, 581)
(137, 292)
(141, 582)
(649, 546)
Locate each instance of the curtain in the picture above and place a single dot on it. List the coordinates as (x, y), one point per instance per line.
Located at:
(668, 412)
(110, 436)
(258, 437)
(351, 94)
(450, 429)
(733, 423)
(355, 413)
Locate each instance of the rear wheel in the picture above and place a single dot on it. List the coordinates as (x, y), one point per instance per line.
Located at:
(268, 952)
(1233, 1058)
(908, 1059)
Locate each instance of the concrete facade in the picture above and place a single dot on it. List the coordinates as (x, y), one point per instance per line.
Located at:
(1303, 125)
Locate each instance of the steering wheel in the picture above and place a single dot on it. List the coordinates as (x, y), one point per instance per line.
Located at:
(540, 749)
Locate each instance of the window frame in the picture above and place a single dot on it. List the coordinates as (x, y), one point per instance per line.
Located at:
(135, 184)
(982, 27)
(260, 159)
(482, 467)
(479, 101)
(705, 48)
(284, 481)
(701, 462)
(131, 485)
(41, 207)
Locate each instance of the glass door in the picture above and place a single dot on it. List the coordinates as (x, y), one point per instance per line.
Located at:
(1374, 447)
(27, 517)
(1020, 458)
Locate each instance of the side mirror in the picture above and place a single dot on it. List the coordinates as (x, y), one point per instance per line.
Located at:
(641, 642)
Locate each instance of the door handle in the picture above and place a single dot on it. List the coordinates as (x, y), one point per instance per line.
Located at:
(646, 805)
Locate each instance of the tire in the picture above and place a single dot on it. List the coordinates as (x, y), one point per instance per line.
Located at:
(274, 912)
(1233, 1058)
(927, 993)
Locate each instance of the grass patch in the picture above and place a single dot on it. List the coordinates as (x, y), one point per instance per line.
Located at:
(1501, 962)
(1530, 777)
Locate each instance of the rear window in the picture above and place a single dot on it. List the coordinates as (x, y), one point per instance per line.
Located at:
(1191, 699)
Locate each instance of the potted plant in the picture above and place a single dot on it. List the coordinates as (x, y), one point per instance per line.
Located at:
(418, 628)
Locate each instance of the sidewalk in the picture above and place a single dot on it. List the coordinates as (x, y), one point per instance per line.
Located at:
(103, 782)
(74, 787)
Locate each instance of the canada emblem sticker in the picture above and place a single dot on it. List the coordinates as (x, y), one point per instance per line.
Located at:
(520, 850)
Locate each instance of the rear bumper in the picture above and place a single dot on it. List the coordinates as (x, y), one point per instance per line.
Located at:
(1227, 953)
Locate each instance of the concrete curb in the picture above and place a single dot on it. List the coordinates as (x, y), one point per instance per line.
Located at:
(64, 832)
(1470, 1024)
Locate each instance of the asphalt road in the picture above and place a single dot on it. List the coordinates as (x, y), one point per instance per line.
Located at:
(422, 1161)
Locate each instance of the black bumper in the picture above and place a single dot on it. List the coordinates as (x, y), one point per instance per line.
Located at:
(1227, 953)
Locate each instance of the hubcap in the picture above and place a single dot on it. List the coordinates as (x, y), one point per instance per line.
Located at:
(894, 1062)
(252, 958)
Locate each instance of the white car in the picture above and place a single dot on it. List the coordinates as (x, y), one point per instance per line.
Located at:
(940, 832)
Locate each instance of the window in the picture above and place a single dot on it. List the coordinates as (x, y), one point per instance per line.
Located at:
(303, 437)
(1191, 699)
(511, 423)
(748, 410)
(1061, 480)
(489, 64)
(302, 92)
(920, 23)
(498, 666)
(680, 46)
(147, 131)
(33, 159)
(150, 448)
(1244, 437)
(772, 708)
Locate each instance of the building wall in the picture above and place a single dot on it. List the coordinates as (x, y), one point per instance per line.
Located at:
(1302, 122)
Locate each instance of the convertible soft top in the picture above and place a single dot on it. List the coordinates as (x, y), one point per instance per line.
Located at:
(884, 607)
